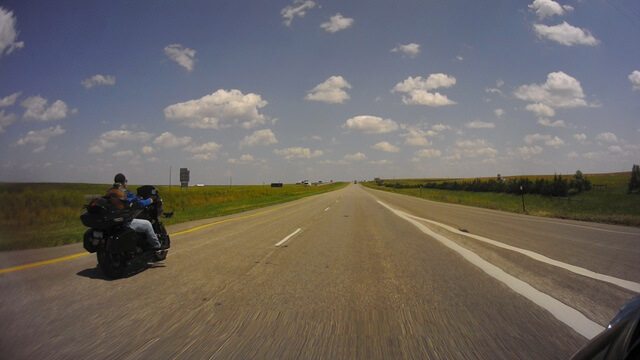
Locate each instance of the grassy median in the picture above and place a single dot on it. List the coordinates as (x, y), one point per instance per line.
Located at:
(608, 201)
(48, 214)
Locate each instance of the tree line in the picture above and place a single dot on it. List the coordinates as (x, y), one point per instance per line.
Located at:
(559, 186)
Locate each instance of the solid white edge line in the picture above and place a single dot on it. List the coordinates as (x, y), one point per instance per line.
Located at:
(568, 315)
(627, 284)
(288, 237)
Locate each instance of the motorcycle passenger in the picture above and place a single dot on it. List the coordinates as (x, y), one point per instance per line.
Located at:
(120, 196)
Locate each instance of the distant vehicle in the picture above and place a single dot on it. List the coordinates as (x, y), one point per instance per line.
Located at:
(199, 184)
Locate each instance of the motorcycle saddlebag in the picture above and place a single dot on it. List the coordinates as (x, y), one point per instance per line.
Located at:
(124, 240)
(87, 241)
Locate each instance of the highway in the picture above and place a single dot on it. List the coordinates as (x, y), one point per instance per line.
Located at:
(351, 274)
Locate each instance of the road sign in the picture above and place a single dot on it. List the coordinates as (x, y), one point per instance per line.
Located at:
(184, 177)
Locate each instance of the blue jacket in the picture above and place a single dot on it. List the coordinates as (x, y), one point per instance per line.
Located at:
(132, 198)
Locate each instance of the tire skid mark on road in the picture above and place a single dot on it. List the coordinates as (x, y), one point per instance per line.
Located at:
(566, 314)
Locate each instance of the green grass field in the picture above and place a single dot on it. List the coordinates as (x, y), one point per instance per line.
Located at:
(606, 204)
(48, 214)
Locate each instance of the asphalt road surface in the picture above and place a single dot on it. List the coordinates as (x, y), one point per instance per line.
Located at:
(357, 274)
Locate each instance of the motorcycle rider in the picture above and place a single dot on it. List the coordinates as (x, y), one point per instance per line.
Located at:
(121, 197)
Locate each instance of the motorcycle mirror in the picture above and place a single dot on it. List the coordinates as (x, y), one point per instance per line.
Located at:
(619, 340)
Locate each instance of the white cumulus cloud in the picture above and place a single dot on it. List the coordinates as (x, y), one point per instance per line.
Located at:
(418, 90)
(260, 137)
(185, 57)
(541, 109)
(566, 34)
(370, 124)
(478, 124)
(204, 156)
(547, 139)
(168, 140)
(8, 33)
(110, 139)
(615, 149)
(40, 137)
(210, 147)
(428, 153)
(474, 148)
(381, 162)
(336, 23)
(9, 100)
(355, 157)
(386, 147)
(330, 91)
(411, 50)
(499, 112)
(418, 137)
(547, 122)
(555, 142)
(123, 153)
(6, 120)
(581, 138)
(37, 109)
(297, 153)
(531, 138)
(299, 9)
(634, 77)
(528, 151)
(218, 110)
(607, 137)
(559, 91)
(546, 8)
(98, 79)
(244, 159)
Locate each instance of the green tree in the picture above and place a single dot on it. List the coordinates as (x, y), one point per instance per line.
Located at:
(634, 182)
(580, 182)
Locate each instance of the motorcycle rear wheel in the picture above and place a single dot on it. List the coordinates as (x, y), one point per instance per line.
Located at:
(112, 265)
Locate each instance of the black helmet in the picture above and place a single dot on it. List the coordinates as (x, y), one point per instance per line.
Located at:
(120, 178)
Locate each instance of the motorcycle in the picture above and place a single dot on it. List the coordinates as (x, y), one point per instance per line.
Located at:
(116, 245)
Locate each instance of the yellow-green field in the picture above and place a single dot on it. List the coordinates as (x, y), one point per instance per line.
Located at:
(607, 202)
(48, 214)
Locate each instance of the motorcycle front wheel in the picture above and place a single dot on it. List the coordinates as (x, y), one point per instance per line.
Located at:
(164, 239)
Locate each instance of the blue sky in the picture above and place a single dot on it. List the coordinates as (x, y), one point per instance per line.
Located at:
(264, 91)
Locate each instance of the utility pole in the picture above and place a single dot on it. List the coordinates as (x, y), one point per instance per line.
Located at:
(169, 176)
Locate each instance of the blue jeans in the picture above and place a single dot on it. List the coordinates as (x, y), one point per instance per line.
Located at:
(144, 226)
